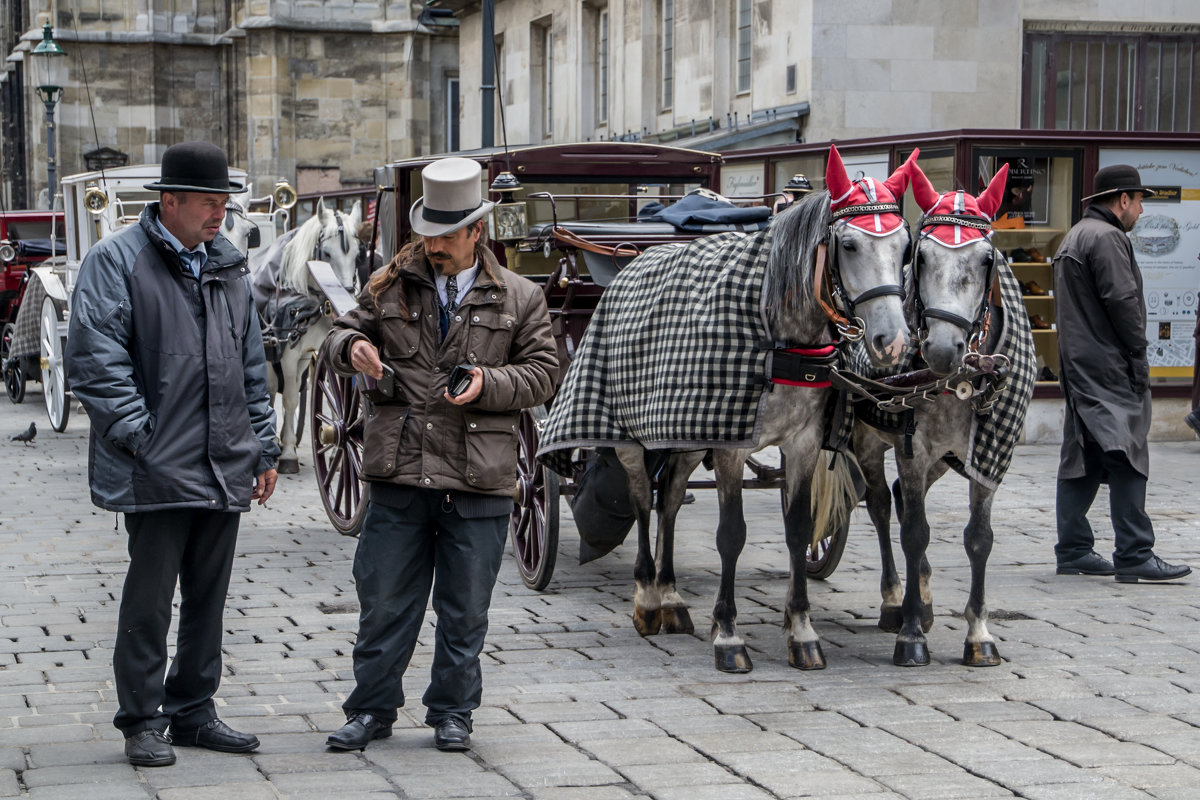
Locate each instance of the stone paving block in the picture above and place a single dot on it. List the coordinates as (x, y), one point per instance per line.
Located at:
(550, 772)
(82, 774)
(474, 784)
(1109, 790)
(655, 750)
(318, 761)
(581, 793)
(221, 791)
(195, 768)
(1091, 754)
(993, 710)
(942, 786)
(545, 712)
(1150, 777)
(339, 783)
(98, 791)
(8, 783)
(81, 752)
(1021, 775)
(722, 791)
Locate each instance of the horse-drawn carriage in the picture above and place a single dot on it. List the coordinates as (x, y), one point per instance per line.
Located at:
(579, 215)
(27, 238)
(95, 205)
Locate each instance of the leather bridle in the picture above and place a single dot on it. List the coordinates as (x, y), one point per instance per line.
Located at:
(976, 329)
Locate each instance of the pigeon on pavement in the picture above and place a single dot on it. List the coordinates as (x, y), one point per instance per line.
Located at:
(26, 435)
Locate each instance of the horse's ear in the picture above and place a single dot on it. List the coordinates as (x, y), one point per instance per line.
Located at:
(836, 179)
(993, 195)
(356, 214)
(322, 212)
(923, 191)
(897, 183)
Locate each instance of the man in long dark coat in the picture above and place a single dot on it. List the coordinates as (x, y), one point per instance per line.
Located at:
(1105, 378)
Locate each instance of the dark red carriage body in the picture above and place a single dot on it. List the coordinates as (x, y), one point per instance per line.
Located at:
(34, 236)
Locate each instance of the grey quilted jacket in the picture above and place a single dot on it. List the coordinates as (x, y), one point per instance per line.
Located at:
(172, 374)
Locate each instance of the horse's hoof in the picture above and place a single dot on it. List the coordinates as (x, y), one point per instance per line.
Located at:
(890, 619)
(676, 619)
(732, 658)
(806, 655)
(647, 622)
(926, 617)
(981, 654)
(288, 466)
(911, 654)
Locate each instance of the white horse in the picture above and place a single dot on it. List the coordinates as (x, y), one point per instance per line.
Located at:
(241, 231)
(293, 310)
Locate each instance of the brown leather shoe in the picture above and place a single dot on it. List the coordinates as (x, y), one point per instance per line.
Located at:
(1034, 290)
(1038, 323)
(1035, 254)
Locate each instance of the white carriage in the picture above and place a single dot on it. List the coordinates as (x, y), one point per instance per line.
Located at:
(97, 204)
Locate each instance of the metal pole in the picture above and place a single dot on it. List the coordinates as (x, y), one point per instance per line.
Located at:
(488, 85)
(50, 164)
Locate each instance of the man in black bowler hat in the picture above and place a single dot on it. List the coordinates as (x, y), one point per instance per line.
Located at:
(165, 353)
(1105, 378)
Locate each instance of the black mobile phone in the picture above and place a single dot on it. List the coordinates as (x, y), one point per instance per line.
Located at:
(378, 391)
(460, 379)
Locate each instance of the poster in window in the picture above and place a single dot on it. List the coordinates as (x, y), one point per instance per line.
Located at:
(1027, 190)
(1166, 243)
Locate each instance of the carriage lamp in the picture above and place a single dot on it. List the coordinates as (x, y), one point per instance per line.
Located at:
(509, 215)
(283, 195)
(7, 252)
(51, 70)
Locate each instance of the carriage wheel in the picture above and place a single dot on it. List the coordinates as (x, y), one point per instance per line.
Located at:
(54, 378)
(14, 376)
(533, 525)
(338, 411)
(822, 560)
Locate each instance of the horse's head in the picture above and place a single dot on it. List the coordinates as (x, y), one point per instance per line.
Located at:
(238, 228)
(867, 251)
(953, 269)
(329, 236)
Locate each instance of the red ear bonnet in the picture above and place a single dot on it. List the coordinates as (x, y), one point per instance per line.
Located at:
(958, 203)
(844, 193)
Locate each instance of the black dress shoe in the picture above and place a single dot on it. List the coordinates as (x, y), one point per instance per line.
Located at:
(215, 735)
(358, 732)
(1193, 420)
(149, 748)
(1091, 564)
(451, 735)
(1154, 570)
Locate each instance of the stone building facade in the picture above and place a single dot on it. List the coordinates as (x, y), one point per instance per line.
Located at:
(730, 74)
(317, 92)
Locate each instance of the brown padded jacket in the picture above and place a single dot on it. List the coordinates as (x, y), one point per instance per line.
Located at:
(420, 439)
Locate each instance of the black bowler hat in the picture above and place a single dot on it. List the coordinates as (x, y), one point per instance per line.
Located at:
(1118, 178)
(195, 167)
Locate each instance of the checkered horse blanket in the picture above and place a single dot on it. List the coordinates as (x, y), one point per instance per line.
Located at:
(993, 437)
(673, 356)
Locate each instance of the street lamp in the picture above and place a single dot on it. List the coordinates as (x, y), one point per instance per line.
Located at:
(51, 69)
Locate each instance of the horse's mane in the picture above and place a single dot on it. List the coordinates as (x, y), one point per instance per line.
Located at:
(293, 267)
(796, 232)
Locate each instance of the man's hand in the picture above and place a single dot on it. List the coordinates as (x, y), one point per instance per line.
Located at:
(264, 487)
(472, 392)
(364, 357)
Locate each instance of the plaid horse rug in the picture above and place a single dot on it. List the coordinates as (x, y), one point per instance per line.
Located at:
(673, 357)
(994, 436)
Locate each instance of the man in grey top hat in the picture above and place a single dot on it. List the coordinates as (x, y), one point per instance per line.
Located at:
(1105, 378)
(166, 355)
(456, 346)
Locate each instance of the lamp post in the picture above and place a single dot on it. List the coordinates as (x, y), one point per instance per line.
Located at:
(51, 70)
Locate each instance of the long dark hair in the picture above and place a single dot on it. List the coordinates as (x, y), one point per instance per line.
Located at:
(383, 279)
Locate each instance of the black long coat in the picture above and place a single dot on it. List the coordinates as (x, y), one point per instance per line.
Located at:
(1101, 315)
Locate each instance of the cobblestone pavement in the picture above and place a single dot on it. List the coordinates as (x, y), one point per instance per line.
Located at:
(1098, 696)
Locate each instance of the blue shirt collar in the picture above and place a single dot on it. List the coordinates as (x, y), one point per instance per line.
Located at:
(194, 258)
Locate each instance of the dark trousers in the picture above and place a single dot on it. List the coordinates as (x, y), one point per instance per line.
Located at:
(1133, 532)
(193, 547)
(401, 553)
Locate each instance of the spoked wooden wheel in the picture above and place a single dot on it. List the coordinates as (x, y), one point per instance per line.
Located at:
(54, 378)
(14, 375)
(533, 526)
(338, 411)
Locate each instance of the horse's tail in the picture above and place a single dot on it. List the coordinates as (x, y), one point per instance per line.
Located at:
(834, 494)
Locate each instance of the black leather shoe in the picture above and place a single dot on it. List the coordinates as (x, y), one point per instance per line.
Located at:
(1154, 570)
(1193, 421)
(1091, 564)
(215, 735)
(451, 735)
(358, 732)
(149, 748)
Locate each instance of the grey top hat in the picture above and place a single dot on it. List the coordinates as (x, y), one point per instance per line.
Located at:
(453, 197)
(1118, 178)
(195, 167)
